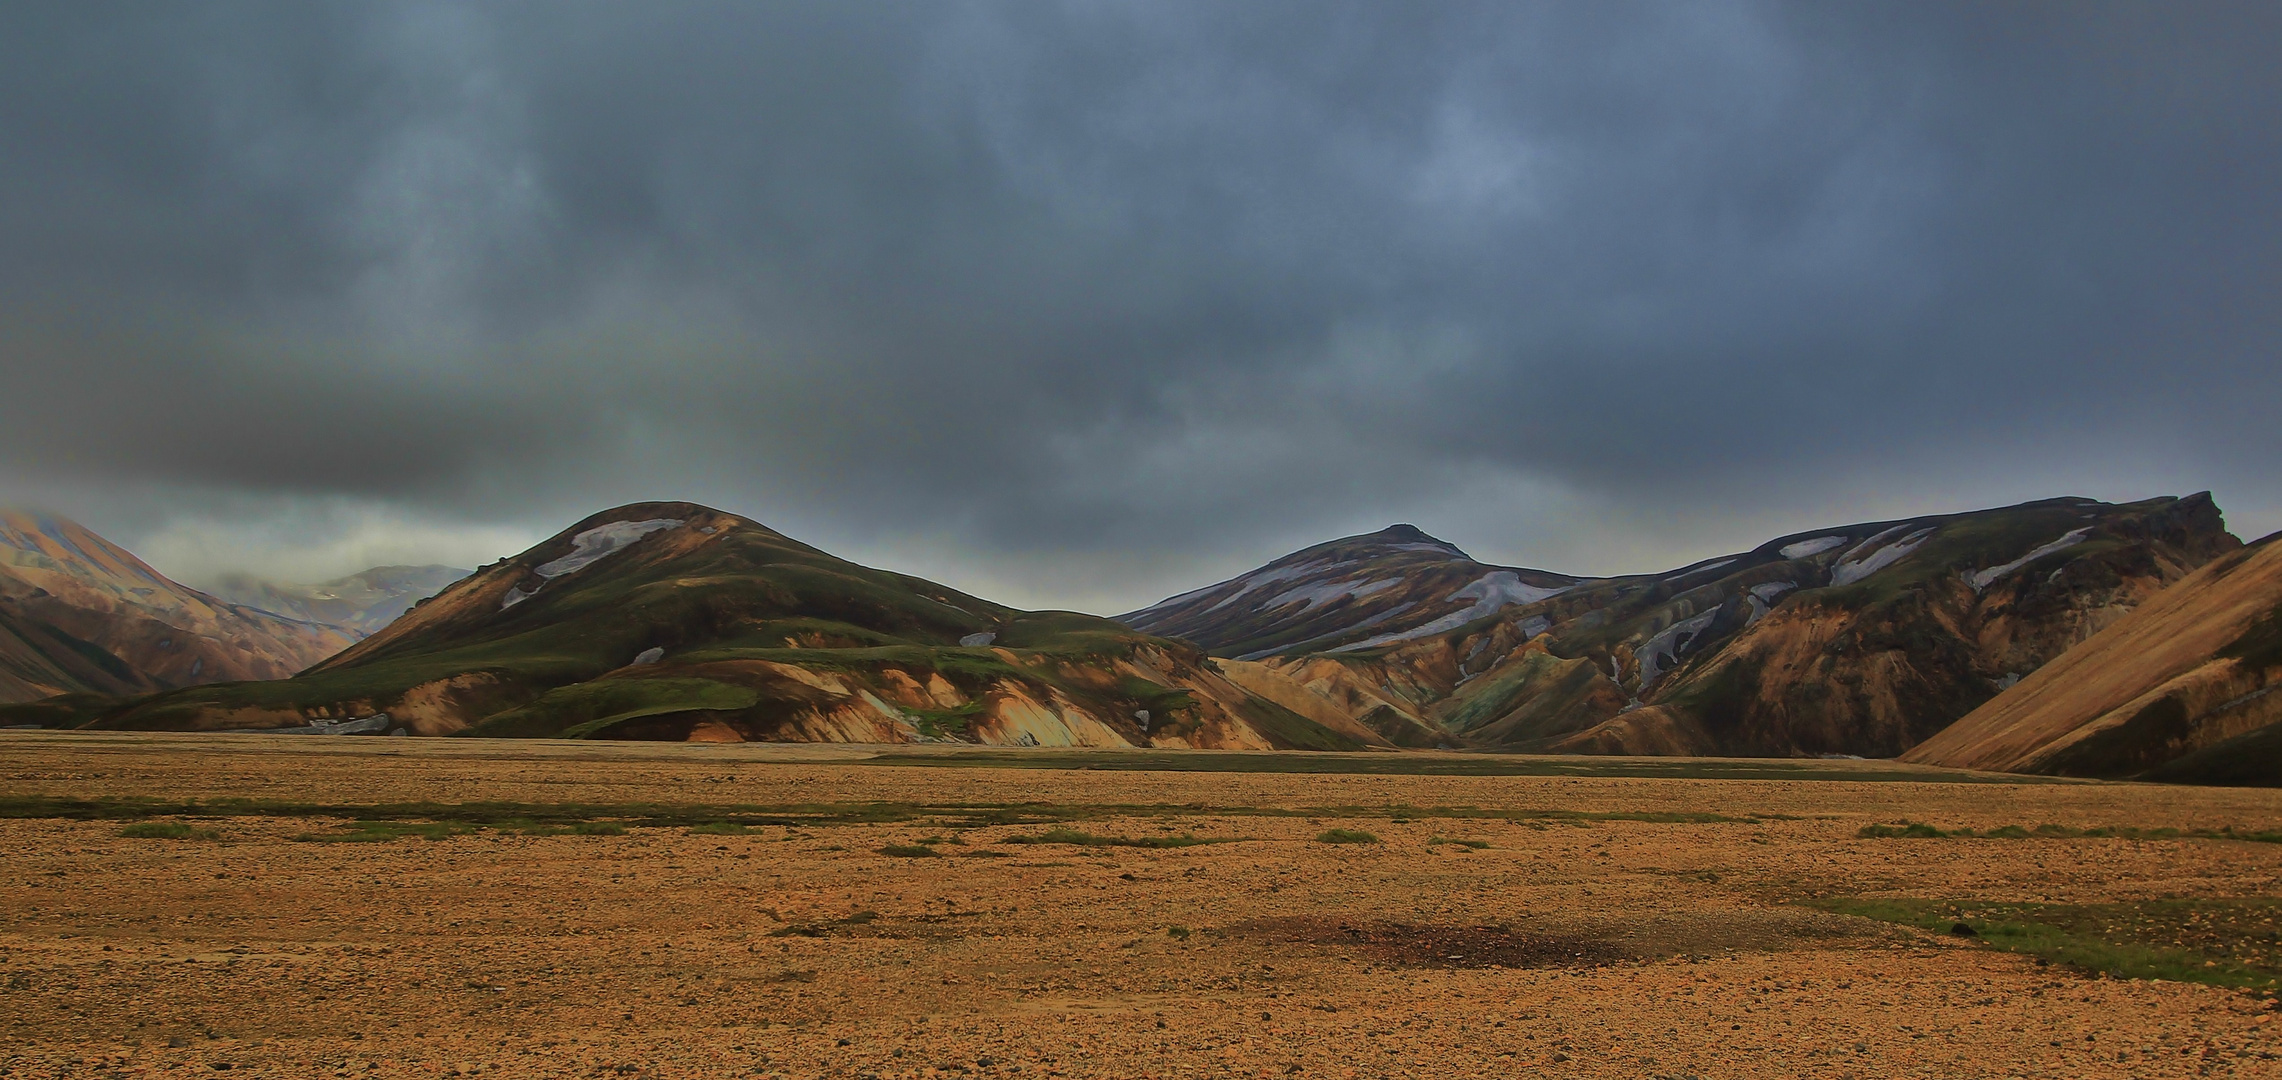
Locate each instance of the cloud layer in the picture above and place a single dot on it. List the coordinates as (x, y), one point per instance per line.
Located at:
(1080, 305)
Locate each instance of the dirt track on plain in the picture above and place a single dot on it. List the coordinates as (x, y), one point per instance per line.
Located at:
(1565, 947)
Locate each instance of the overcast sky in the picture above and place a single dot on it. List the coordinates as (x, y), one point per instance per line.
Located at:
(1082, 305)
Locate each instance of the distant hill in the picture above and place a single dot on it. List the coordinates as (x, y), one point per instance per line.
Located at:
(1854, 639)
(677, 621)
(2181, 689)
(79, 614)
(362, 603)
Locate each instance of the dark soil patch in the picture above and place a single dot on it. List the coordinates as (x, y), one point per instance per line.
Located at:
(1429, 945)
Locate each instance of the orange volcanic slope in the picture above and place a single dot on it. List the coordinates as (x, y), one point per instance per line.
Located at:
(2170, 678)
(80, 614)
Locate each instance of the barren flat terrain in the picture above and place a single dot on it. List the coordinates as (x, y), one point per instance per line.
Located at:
(404, 907)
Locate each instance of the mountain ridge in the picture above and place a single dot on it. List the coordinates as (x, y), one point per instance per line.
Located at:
(79, 614)
(677, 621)
(1878, 633)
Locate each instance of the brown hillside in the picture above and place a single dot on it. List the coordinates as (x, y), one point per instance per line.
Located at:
(2155, 685)
(79, 614)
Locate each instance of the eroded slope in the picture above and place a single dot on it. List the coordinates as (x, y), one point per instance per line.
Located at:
(2192, 670)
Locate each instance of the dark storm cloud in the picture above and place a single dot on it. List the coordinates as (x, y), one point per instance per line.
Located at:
(1156, 289)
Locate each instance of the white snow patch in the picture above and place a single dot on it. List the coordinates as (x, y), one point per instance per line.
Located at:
(1817, 546)
(1491, 592)
(1667, 645)
(977, 640)
(1874, 541)
(1364, 625)
(1982, 579)
(1329, 591)
(1266, 577)
(1699, 569)
(1850, 570)
(516, 596)
(1763, 597)
(591, 545)
(648, 656)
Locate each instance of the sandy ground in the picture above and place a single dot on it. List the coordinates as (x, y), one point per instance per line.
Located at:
(1599, 948)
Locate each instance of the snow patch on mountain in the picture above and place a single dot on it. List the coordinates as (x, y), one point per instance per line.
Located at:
(1982, 579)
(1851, 569)
(1763, 596)
(1665, 648)
(1265, 578)
(1816, 546)
(1677, 575)
(1490, 593)
(1366, 624)
(1329, 591)
(592, 545)
(587, 548)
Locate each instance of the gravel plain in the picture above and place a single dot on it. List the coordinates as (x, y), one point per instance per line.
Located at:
(1555, 941)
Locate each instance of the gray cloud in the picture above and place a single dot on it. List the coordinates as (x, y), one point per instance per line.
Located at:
(1082, 304)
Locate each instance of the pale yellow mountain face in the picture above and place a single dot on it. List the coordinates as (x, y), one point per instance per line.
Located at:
(2190, 670)
(78, 614)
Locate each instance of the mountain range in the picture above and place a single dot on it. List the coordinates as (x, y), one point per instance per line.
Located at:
(2067, 635)
(678, 621)
(1859, 639)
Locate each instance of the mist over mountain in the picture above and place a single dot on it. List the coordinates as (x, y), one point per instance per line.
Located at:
(362, 602)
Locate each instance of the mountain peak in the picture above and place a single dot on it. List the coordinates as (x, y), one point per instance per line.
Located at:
(1406, 535)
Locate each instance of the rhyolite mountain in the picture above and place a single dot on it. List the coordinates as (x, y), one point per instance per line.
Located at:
(80, 615)
(677, 621)
(1856, 639)
(2182, 689)
(361, 603)
(1393, 585)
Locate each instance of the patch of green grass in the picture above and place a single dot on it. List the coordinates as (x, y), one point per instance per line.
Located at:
(722, 828)
(2231, 943)
(729, 819)
(167, 830)
(910, 851)
(1920, 830)
(368, 832)
(1345, 836)
(946, 723)
(1177, 933)
(1080, 838)
(1474, 844)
